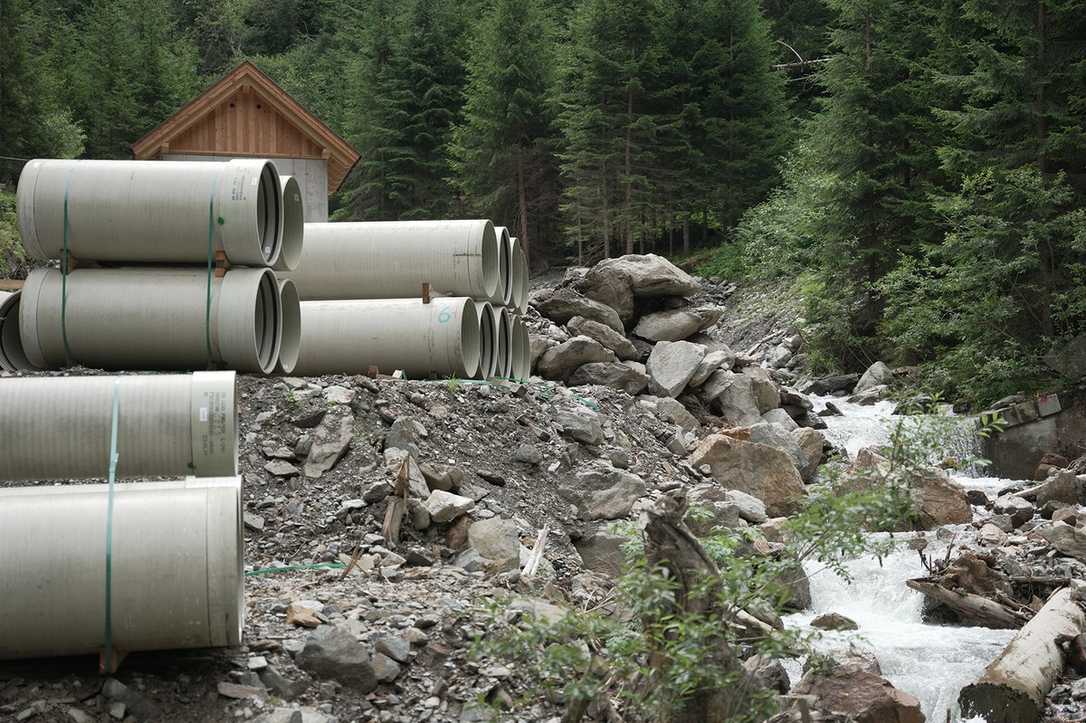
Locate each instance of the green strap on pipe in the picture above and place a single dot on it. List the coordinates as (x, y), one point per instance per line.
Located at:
(108, 651)
(210, 270)
(294, 568)
(65, 263)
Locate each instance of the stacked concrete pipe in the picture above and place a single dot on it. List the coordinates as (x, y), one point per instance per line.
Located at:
(176, 567)
(152, 318)
(175, 425)
(520, 273)
(504, 292)
(520, 354)
(12, 357)
(488, 350)
(439, 338)
(169, 312)
(501, 346)
(393, 259)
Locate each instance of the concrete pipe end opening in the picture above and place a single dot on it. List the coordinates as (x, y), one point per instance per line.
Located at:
(508, 320)
(501, 329)
(521, 354)
(505, 267)
(469, 340)
(259, 209)
(519, 263)
(250, 320)
(290, 341)
(486, 340)
(490, 255)
(24, 208)
(293, 225)
(12, 356)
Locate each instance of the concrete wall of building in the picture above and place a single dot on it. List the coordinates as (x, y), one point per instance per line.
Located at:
(311, 174)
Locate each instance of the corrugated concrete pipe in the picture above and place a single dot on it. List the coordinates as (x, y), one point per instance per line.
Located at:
(519, 264)
(487, 339)
(293, 225)
(153, 211)
(12, 357)
(143, 318)
(392, 259)
(177, 557)
(424, 340)
(521, 353)
(290, 341)
(501, 347)
(504, 291)
(168, 425)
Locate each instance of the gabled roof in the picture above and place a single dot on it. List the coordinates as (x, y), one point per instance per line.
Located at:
(248, 114)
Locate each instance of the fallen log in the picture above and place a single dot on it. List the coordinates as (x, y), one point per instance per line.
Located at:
(1013, 687)
(971, 609)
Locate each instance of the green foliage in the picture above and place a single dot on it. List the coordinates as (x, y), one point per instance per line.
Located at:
(728, 262)
(12, 256)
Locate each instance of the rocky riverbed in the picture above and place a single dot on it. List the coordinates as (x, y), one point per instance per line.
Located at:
(387, 520)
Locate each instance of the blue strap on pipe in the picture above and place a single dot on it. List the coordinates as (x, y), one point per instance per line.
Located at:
(107, 661)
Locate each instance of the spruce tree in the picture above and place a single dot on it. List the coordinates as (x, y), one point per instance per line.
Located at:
(503, 149)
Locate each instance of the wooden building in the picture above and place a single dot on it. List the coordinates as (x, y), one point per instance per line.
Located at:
(247, 114)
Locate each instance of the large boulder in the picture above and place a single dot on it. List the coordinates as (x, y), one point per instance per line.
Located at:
(645, 275)
(331, 651)
(676, 324)
(331, 440)
(605, 335)
(831, 384)
(562, 304)
(863, 696)
(756, 469)
(670, 410)
(561, 361)
(771, 435)
(731, 396)
(601, 551)
(604, 493)
(936, 499)
(811, 444)
(609, 285)
(610, 374)
(781, 418)
(766, 394)
(580, 424)
(670, 366)
(498, 541)
(1067, 539)
(877, 375)
(538, 346)
(716, 359)
(710, 509)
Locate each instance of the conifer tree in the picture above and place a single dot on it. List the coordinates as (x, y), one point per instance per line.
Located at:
(503, 149)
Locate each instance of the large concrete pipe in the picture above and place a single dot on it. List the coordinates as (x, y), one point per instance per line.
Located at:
(290, 341)
(501, 347)
(392, 260)
(168, 425)
(293, 225)
(519, 264)
(424, 340)
(12, 356)
(152, 211)
(487, 339)
(144, 318)
(176, 579)
(509, 318)
(521, 355)
(504, 292)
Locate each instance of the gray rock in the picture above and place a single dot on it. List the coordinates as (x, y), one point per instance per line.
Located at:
(607, 285)
(1020, 510)
(497, 540)
(580, 424)
(870, 396)
(331, 440)
(834, 621)
(714, 360)
(561, 361)
(768, 673)
(1068, 540)
(779, 356)
(445, 477)
(670, 410)
(538, 346)
(404, 434)
(385, 668)
(731, 396)
(601, 551)
(766, 394)
(395, 458)
(281, 468)
(877, 375)
(676, 324)
(336, 394)
(394, 647)
(604, 494)
(831, 384)
(562, 304)
(445, 506)
(756, 469)
(281, 686)
(528, 454)
(647, 275)
(710, 509)
(331, 651)
(610, 374)
(781, 418)
(811, 444)
(671, 365)
(605, 335)
(750, 507)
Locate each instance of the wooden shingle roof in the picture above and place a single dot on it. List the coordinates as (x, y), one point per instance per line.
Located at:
(248, 114)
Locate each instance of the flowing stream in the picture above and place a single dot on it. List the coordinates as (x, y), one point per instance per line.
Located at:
(931, 662)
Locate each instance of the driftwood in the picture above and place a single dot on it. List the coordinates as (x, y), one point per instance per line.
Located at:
(1014, 685)
(397, 505)
(971, 609)
(532, 566)
(670, 545)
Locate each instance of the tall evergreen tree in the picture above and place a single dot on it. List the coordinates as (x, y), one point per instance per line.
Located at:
(503, 149)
